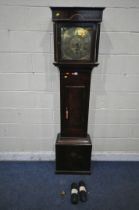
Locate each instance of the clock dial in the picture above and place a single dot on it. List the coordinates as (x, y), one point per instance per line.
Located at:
(75, 43)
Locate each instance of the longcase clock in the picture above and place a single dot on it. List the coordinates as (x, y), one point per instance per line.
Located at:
(76, 43)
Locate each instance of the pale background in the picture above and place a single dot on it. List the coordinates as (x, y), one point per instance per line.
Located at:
(29, 83)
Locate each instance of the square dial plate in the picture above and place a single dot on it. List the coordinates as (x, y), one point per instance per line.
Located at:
(76, 43)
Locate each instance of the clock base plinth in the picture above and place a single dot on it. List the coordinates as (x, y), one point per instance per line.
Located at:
(73, 155)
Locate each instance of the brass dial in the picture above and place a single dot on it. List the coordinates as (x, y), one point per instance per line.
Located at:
(75, 43)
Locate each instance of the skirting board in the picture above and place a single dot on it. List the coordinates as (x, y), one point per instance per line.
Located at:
(50, 156)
